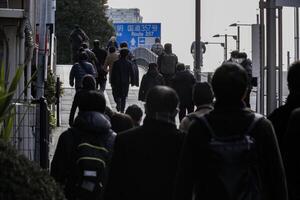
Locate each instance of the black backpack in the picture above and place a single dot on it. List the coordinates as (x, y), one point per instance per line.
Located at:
(91, 157)
(233, 163)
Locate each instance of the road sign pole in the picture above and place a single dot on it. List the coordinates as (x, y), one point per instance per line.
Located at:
(197, 69)
(271, 56)
(262, 58)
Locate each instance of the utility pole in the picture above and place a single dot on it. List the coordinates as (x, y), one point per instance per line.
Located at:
(238, 40)
(198, 50)
(42, 50)
(262, 57)
(225, 47)
(271, 56)
(296, 29)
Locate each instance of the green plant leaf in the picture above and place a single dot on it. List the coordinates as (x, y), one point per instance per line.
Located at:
(7, 128)
(12, 88)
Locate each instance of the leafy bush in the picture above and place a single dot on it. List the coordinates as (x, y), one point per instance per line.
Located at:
(21, 179)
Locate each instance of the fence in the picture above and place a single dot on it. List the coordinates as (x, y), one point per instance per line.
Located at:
(31, 131)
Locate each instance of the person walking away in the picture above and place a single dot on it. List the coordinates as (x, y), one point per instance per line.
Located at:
(101, 55)
(80, 69)
(130, 57)
(167, 64)
(144, 161)
(77, 37)
(112, 43)
(82, 156)
(291, 155)
(231, 152)
(121, 77)
(247, 65)
(88, 84)
(91, 56)
(183, 83)
(136, 113)
(157, 47)
(112, 57)
(203, 100)
(280, 116)
(149, 80)
(121, 122)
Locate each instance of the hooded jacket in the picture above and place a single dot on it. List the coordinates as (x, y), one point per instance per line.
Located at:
(63, 163)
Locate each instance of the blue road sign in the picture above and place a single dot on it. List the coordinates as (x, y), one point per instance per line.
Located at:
(137, 34)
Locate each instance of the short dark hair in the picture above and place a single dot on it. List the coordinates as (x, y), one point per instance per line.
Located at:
(88, 82)
(135, 112)
(242, 55)
(123, 45)
(293, 77)
(180, 67)
(230, 82)
(96, 43)
(82, 55)
(85, 45)
(121, 122)
(111, 49)
(161, 99)
(202, 93)
(234, 54)
(157, 40)
(124, 53)
(92, 101)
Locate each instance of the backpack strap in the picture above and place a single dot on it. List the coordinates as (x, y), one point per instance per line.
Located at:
(257, 117)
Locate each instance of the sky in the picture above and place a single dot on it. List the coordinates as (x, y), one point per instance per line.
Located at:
(177, 20)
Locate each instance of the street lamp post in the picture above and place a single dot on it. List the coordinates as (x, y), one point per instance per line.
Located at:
(238, 40)
(198, 50)
(226, 43)
(222, 45)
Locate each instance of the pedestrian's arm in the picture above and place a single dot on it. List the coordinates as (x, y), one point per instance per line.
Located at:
(59, 169)
(185, 179)
(116, 176)
(72, 76)
(273, 170)
(73, 109)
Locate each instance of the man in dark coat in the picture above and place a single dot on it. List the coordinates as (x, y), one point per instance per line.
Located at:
(101, 56)
(121, 76)
(80, 69)
(144, 161)
(149, 80)
(90, 122)
(211, 166)
(183, 83)
(291, 155)
(167, 63)
(281, 115)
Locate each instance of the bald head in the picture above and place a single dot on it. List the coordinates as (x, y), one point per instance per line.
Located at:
(161, 99)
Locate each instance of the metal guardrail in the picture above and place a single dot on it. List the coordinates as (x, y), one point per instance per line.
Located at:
(144, 56)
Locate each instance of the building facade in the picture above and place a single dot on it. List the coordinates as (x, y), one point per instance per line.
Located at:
(124, 15)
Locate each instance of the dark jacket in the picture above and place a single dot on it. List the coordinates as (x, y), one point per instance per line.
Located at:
(228, 120)
(100, 54)
(121, 77)
(183, 83)
(280, 116)
(167, 62)
(62, 166)
(247, 65)
(149, 80)
(291, 155)
(136, 74)
(76, 101)
(78, 71)
(144, 162)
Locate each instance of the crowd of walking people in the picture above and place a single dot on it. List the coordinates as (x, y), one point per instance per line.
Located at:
(221, 150)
